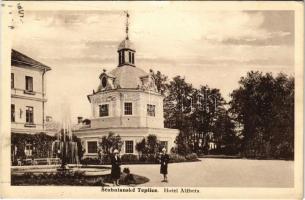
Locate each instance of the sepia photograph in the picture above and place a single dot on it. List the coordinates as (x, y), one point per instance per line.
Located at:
(154, 98)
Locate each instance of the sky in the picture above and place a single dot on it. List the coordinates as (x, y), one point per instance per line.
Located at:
(213, 48)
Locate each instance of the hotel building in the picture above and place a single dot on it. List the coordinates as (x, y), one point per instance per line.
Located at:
(28, 94)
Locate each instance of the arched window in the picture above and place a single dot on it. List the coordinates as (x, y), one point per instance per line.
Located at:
(104, 82)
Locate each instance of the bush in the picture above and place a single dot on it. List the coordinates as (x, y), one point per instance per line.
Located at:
(90, 161)
(151, 158)
(106, 159)
(177, 158)
(57, 178)
(148, 158)
(191, 156)
(143, 158)
(129, 158)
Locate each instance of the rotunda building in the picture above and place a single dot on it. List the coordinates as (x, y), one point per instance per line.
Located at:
(128, 104)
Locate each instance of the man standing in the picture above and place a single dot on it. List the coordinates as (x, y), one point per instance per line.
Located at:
(164, 163)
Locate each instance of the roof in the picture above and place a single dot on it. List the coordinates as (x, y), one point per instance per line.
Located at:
(128, 76)
(18, 58)
(126, 44)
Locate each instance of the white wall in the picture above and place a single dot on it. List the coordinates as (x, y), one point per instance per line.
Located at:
(21, 100)
(117, 117)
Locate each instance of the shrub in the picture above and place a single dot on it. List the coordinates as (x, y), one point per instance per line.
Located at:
(151, 158)
(191, 156)
(177, 158)
(106, 159)
(129, 158)
(90, 161)
(143, 158)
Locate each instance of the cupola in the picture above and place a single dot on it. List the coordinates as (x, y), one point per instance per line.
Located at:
(126, 50)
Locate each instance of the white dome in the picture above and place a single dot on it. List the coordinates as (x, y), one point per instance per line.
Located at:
(128, 76)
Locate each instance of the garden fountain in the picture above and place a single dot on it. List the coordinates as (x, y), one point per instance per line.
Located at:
(69, 172)
(65, 148)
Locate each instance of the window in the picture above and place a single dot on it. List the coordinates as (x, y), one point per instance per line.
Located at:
(129, 57)
(128, 108)
(12, 80)
(129, 146)
(123, 57)
(151, 110)
(29, 115)
(104, 81)
(119, 57)
(12, 112)
(164, 144)
(92, 147)
(104, 111)
(132, 58)
(29, 83)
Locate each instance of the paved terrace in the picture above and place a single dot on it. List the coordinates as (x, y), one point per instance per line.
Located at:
(221, 173)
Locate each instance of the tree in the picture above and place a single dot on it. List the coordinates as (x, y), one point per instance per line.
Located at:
(227, 142)
(152, 144)
(110, 142)
(192, 111)
(264, 106)
(160, 81)
(177, 103)
(208, 106)
(148, 146)
(183, 147)
(141, 147)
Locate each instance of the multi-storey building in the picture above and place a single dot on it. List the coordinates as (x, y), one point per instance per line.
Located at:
(28, 94)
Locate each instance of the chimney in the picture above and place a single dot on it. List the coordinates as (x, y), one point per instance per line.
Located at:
(79, 120)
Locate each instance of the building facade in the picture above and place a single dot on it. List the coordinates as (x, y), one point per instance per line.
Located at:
(28, 96)
(128, 104)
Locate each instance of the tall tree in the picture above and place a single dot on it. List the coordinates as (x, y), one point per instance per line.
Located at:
(178, 109)
(264, 106)
(208, 105)
(177, 103)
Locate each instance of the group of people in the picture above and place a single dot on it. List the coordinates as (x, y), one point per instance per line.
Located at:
(116, 166)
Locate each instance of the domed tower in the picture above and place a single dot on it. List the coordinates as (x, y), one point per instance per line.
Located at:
(126, 50)
(126, 103)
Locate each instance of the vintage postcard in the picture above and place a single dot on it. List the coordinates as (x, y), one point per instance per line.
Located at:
(151, 99)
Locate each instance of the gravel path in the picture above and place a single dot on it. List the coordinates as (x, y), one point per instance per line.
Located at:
(220, 173)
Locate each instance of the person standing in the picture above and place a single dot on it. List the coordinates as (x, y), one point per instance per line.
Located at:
(115, 167)
(164, 163)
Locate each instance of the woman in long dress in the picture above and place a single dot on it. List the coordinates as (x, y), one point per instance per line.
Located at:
(164, 163)
(115, 167)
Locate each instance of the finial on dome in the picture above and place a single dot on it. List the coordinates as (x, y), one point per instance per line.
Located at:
(104, 70)
(127, 24)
